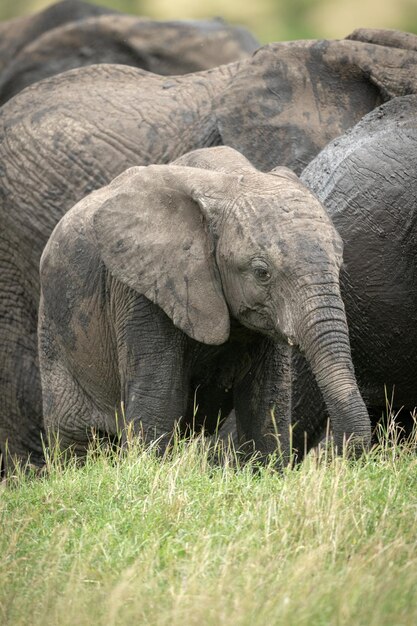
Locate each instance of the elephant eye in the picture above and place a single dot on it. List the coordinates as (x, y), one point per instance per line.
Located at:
(261, 273)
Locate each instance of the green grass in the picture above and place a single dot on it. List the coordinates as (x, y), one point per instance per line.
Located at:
(137, 540)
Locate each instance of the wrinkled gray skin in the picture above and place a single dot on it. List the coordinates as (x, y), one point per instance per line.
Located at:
(177, 285)
(367, 181)
(15, 34)
(176, 47)
(385, 37)
(68, 135)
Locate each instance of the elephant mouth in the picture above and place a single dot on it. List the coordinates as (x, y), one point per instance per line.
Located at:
(260, 322)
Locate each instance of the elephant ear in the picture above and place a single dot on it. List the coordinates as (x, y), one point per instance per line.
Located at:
(152, 233)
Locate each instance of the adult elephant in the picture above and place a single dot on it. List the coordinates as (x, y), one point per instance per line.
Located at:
(68, 135)
(178, 284)
(173, 47)
(15, 34)
(367, 181)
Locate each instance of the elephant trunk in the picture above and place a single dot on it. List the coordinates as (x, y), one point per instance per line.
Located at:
(322, 335)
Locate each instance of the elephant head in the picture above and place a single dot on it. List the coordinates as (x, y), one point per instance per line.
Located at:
(257, 247)
(168, 48)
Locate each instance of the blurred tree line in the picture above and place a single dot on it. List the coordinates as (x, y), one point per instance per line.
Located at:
(269, 20)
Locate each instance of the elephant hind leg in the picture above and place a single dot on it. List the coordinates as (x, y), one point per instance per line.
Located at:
(72, 419)
(70, 415)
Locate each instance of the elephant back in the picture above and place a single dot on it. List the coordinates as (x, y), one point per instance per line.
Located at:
(383, 144)
(17, 33)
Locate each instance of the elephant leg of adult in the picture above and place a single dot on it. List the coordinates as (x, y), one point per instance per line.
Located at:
(20, 391)
(21, 430)
(227, 432)
(263, 403)
(209, 407)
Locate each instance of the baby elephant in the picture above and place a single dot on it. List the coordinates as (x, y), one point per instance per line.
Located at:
(177, 292)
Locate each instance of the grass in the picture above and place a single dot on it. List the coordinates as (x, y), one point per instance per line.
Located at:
(137, 540)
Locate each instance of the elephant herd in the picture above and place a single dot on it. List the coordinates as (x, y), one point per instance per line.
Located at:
(234, 232)
(73, 33)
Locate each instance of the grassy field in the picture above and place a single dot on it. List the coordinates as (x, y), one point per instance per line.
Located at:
(137, 540)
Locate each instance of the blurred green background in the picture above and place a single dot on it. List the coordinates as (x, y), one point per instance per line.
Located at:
(269, 20)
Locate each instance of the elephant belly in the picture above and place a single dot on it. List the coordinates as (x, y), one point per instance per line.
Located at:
(384, 348)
